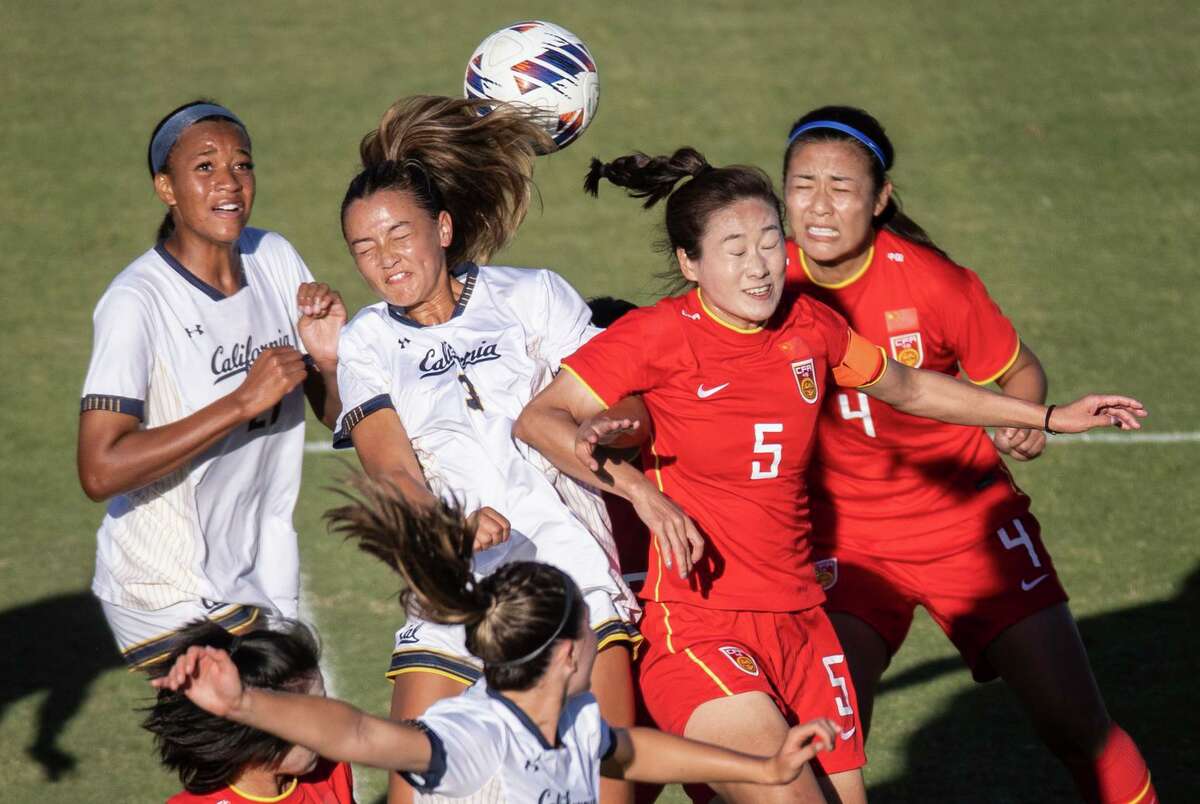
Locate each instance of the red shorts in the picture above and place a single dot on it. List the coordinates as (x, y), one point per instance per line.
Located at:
(974, 595)
(693, 655)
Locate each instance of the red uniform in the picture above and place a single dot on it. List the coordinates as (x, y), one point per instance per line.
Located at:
(910, 511)
(328, 783)
(735, 413)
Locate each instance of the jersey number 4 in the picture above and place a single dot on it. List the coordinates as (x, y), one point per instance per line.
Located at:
(863, 411)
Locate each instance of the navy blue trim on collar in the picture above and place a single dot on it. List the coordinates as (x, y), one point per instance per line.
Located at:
(520, 715)
(195, 281)
(468, 272)
(428, 781)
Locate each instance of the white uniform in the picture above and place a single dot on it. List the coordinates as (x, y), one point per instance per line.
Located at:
(457, 388)
(218, 531)
(482, 742)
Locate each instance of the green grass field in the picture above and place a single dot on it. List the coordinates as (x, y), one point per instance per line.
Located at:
(1049, 145)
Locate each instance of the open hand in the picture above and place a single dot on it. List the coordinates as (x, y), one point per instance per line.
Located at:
(600, 431)
(1098, 410)
(490, 528)
(801, 745)
(209, 679)
(679, 542)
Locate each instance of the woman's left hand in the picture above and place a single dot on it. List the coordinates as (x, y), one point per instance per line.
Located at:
(1098, 410)
(322, 316)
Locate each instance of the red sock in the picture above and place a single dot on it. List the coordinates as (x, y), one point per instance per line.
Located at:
(1118, 776)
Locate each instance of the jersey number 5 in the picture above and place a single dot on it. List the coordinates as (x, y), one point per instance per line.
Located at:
(863, 411)
(757, 472)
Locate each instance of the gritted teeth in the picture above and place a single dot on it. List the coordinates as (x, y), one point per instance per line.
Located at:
(228, 207)
(764, 290)
(399, 276)
(822, 231)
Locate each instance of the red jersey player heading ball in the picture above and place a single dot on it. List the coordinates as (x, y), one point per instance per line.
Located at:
(733, 373)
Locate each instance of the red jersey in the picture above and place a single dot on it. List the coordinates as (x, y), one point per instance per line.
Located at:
(881, 476)
(328, 783)
(735, 411)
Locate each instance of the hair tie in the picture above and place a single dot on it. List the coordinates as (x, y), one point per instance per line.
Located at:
(169, 132)
(845, 129)
(568, 604)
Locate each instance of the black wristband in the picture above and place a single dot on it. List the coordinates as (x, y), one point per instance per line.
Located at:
(1046, 424)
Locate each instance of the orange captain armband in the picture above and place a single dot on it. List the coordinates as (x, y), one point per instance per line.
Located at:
(863, 365)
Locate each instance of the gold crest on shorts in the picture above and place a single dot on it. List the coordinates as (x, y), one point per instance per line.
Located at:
(805, 373)
(827, 572)
(741, 660)
(907, 349)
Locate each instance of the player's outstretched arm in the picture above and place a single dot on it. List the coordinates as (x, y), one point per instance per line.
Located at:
(115, 455)
(936, 396)
(566, 423)
(647, 755)
(1024, 379)
(335, 730)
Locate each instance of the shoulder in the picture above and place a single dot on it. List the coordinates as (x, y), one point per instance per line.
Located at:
(263, 242)
(523, 283)
(369, 319)
(471, 715)
(184, 797)
(137, 287)
(937, 272)
(802, 310)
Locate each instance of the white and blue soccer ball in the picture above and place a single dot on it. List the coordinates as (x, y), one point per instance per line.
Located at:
(538, 64)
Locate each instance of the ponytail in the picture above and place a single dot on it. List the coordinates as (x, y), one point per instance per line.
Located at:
(689, 205)
(449, 156)
(512, 617)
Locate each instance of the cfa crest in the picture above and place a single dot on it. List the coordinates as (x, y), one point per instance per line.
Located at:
(741, 660)
(907, 349)
(805, 372)
(827, 572)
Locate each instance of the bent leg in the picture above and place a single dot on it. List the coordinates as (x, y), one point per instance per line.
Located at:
(612, 683)
(751, 723)
(1043, 660)
(413, 694)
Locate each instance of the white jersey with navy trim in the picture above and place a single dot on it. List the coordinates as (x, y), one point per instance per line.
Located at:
(459, 386)
(481, 739)
(166, 345)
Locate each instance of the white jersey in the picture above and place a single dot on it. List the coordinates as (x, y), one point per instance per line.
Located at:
(166, 345)
(482, 740)
(459, 386)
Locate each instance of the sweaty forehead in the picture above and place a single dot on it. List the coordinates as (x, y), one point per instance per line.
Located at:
(212, 133)
(842, 157)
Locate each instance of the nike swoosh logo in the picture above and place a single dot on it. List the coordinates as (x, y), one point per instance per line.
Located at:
(705, 393)
(1027, 585)
(846, 735)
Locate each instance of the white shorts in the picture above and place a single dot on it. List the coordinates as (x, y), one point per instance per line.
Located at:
(428, 647)
(146, 637)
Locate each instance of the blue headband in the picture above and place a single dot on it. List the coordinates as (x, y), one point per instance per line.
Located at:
(169, 132)
(845, 129)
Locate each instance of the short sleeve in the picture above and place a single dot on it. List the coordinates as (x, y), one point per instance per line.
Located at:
(118, 375)
(854, 360)
(363, 384)
(608, 741)
(982, 337)
(466, 752)
(615, 363)
(564, 317)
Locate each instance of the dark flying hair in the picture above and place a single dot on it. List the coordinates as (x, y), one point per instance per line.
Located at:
(448, 156)
(865, 133)
(606, 310)
(210, 752)
(690, 205)
(512, 616)
(168, 224)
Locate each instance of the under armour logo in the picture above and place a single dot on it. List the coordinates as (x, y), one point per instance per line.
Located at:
(404, 342)
(196, 330)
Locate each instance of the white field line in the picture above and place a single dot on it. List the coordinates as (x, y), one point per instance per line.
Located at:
(309, 617)
(1180, 437)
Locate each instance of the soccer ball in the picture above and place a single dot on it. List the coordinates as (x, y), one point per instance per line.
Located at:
(542, 65)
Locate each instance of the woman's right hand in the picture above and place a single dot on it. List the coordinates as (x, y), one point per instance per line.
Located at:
(208, 677)
(598, 431)
(490, 527)
(272, 375)
(679, 541)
